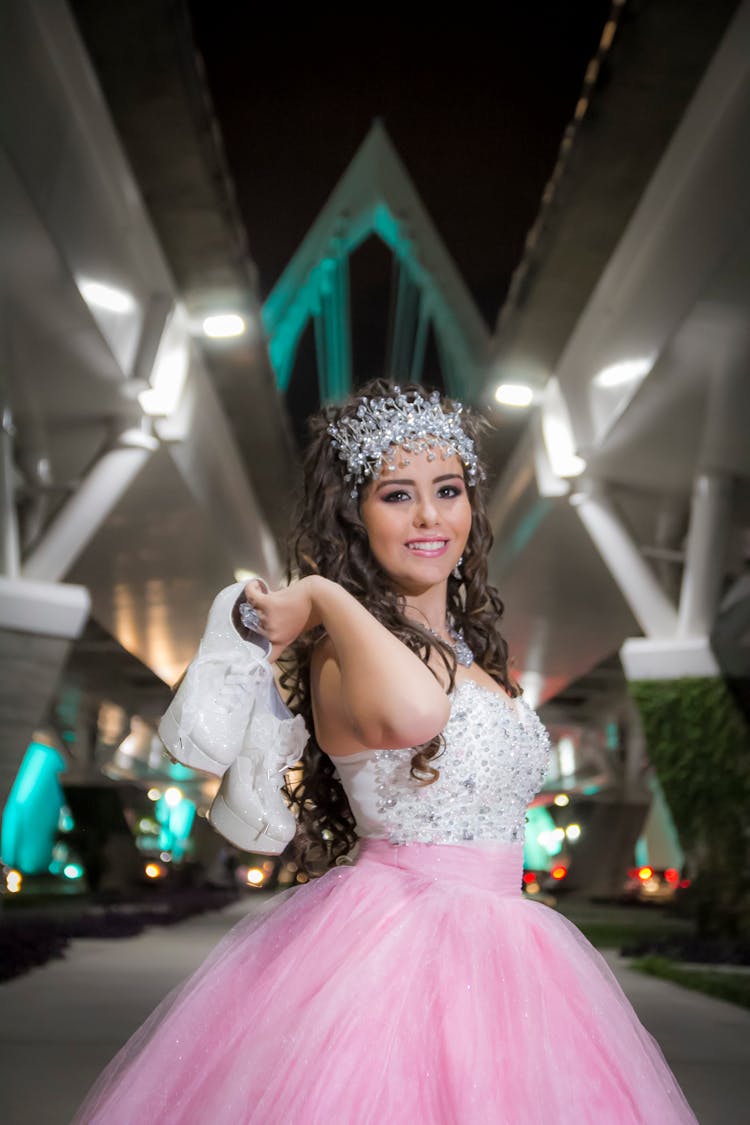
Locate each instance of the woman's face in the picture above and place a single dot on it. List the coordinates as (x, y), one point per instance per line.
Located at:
(418, 519)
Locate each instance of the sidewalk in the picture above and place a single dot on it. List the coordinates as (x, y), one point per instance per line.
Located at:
(60, 1024)
(706, 1043)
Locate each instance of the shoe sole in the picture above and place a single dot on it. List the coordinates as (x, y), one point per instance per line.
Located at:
(185, 751)
(239, 832)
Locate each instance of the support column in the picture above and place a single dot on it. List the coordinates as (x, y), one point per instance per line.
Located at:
(420, 340)
(94, 499)
(38, 622)
(635, 579)
(11, 552)
(404, 325)
(332, 330)
(705, 555)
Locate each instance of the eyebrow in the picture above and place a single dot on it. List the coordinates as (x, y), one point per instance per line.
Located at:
(436, 480)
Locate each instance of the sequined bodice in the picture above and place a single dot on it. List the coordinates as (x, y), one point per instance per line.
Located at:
(493, 762)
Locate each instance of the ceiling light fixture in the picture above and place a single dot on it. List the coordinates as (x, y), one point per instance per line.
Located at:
(223, 326)
(558, 440)
(627, 371)
(107, 297)
(514, 394)
(161, 398)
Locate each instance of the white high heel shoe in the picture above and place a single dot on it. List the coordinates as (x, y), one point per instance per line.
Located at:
(248, 809)
(227, 718)
(206, 722)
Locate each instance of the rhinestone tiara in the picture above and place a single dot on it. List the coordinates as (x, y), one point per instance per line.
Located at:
(417, 424)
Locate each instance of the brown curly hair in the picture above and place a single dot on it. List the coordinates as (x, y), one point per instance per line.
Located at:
(329, 538)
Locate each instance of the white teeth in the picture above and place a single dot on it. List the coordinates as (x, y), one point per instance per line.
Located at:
(433, 545)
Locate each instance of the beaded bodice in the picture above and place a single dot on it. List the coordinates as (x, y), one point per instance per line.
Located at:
(493, 762)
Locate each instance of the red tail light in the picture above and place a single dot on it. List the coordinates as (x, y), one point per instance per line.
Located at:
(559, 872)
(645, 873)
(529, 877)
(672, 875)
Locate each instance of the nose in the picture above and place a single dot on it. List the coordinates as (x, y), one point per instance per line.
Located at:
(426, 514)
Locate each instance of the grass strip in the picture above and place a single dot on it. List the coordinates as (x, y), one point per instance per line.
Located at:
(734, 987)
(613, 935)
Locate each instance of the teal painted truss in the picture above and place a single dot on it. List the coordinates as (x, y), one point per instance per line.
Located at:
(375, 197)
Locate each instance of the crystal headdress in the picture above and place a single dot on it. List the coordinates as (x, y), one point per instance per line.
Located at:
(409, 420)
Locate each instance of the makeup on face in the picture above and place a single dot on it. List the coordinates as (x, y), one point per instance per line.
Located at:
(418, 519)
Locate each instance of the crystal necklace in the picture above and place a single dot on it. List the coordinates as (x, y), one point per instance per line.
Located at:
(464, 655)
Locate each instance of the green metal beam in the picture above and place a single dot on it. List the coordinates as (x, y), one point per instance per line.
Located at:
(376, 197)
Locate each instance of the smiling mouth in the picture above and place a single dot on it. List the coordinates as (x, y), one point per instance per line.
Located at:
(428, 546)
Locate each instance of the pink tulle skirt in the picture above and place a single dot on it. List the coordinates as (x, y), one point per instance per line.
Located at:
(415, 987)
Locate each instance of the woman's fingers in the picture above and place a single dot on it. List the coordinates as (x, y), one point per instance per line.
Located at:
(281, 615)
(255, 590)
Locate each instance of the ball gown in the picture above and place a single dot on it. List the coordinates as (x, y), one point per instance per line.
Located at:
(412, 984)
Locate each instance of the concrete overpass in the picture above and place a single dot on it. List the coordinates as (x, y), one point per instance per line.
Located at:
(144, 464)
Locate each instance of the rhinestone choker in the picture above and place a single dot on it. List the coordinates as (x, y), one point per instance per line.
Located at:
(464, 655)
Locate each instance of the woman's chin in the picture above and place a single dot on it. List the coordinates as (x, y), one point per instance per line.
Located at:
(423, 576)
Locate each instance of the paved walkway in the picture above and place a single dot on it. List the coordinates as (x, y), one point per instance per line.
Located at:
(61, 1023)
(706, 1042)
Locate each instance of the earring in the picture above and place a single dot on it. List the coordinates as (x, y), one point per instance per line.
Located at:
(456, 572)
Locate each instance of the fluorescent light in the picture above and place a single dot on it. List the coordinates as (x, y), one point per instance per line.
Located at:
(557, 433)
(514, 394)
(168, 380)
(558, 439)
(107, 297)
(222, 326)
(627, 371)
(567, 756)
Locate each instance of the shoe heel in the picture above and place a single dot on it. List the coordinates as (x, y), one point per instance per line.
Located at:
(185, 751)
(239, 832)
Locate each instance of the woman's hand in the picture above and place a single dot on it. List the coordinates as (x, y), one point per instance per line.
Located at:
(283, 614)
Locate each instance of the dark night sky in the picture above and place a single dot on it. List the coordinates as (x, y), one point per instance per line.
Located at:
(476, 112)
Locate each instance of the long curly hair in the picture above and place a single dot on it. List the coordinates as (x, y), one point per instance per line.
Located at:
(329, 538)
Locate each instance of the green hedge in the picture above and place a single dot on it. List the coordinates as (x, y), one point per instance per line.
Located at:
(734, 987)
(699, 744)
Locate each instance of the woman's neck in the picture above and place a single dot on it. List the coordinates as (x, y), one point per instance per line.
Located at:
(429, 608)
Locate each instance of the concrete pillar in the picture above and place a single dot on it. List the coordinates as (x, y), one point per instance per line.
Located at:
(10, 551)
(89, 506)
(635, 579)
(38, 622)
(705, 554)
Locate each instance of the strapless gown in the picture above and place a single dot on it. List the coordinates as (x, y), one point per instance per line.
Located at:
(412, 986)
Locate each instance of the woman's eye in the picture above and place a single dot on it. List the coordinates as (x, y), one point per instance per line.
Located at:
(394, 497)
(449, 490)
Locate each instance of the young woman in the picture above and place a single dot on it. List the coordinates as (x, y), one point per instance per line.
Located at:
(412, 982)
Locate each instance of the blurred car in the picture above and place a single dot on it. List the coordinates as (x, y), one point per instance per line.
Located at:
(544, 885)
(650, 884)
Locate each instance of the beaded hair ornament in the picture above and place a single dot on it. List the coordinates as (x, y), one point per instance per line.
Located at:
(367, 442)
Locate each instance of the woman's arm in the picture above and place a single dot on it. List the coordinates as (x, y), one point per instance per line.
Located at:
(369, 689)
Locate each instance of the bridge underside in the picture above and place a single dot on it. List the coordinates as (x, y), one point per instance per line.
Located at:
(639, 254)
